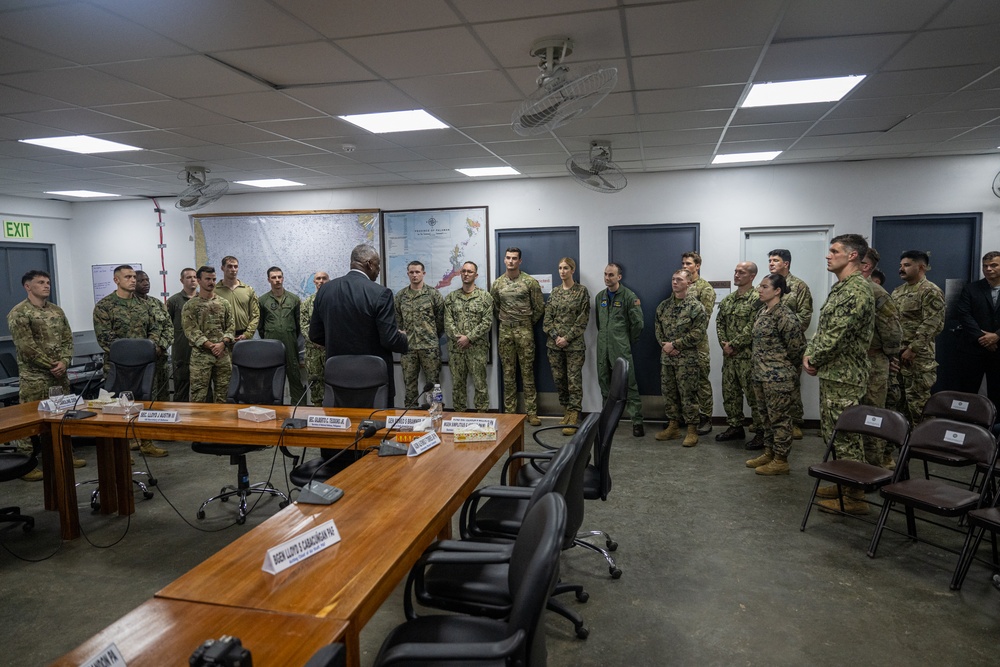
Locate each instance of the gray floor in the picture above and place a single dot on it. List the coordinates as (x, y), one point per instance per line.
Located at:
(716, 571)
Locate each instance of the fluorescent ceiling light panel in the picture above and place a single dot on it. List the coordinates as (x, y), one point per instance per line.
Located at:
(490, 171)
(807, 91)
(270, 183)
(80, 193)
(395, 121)
(763, 156)
(81, 144)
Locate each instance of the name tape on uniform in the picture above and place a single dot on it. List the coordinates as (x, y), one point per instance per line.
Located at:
(300, 547)
(323, 421)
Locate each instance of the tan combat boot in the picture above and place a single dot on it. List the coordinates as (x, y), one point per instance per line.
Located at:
(151, 450)
(828, 491)
(854, 503)
(776, 466)
(761, 460)
(671, 432)
(796, 433)
(691, 439)
(572, 418)
(565, 418)
(533, 419)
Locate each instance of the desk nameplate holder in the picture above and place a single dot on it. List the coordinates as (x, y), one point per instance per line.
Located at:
(408, 423)
(300, 547)
(110, 655)
(323, 421)
(459, 423)
(158, 417)
(423, 443)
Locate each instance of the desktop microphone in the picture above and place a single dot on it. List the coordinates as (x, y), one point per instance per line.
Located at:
(387, 448)
(320, 493)
(292, 422)
(82, 414)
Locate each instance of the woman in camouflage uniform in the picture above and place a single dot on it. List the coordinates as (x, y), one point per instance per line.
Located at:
(566, 315)
(778, 345)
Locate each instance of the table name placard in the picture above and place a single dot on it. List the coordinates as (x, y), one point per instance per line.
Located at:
(408, 423)
(158, 417)
(456, 423)
(300, 547)
(423, 443)
(111, 655)
(323, 421)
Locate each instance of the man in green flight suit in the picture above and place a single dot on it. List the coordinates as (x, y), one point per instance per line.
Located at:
(279, 320)
(619, 324)
(517, 304)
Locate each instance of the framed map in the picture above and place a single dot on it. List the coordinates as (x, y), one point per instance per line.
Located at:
(443, 239)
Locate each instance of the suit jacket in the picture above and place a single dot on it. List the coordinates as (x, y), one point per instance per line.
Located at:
(354, 315)
(976, 314)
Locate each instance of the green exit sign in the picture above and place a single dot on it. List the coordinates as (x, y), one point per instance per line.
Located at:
(17, 230)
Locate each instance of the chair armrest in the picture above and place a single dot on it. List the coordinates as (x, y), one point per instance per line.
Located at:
(469, 545)
(420, 652)
(531, 456)
(471, 505)
(542, 430)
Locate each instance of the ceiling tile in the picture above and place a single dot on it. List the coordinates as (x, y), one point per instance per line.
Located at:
(14, 101)
(464, 88)
(248, 107)
(16, 57)
(689, 99)
(298, 64)
(441, 51)
(596, 36)
(80, 85)
(918, 81)
(354, 98)
(684, 70)
(183, 77)
(168, 114)
(807, 18)
(79, 121)
(695, 26)
(475, 115)
(816, 58)
(336, 20)
(942, 48)
(478, 11)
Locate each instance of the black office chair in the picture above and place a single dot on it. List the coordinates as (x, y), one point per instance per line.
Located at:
(519, 640)
(258, 379)
(597, 476)
(13, 465)
(131, 367)
(9, 364)
(351, 381)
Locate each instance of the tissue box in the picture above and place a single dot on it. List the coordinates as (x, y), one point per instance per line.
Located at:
(256, 414)
(475, 434)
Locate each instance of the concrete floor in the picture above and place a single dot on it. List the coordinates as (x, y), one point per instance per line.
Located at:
(716, 571)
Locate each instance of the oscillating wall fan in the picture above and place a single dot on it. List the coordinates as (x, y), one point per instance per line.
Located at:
(202, 190)
(560, 97)
(595, 170)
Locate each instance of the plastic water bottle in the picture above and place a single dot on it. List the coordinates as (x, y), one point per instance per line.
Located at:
(437, 408)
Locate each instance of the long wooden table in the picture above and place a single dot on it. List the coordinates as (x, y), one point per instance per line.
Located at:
(166, 632)
(392, 509)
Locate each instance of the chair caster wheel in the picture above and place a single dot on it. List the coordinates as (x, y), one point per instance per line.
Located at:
(95, 507)
(241, 520)
(582, 632)
(615, 572)
(200, 515)
(28, 525)
(151, 482)
(612, 545)
(147, 494)
(583, 596)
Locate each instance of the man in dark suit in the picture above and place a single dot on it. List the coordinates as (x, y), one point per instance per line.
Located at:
(979, 317)
(355, 315)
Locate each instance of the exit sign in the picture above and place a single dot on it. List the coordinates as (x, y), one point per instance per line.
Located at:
(17, 230)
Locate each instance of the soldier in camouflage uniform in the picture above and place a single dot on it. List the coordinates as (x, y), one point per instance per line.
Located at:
(420, 313)
(161, 379)
(838, 354)
(681, 323)
(279, 320)
(566, 315)
(921, 316)
(799, 300)
(315, 354)
(242, 297)
(43, 343)
(209, 327)
(703, 291)
(778, 345)
(734, 327)
(468, 318)
(619, 324)
(122, 315)
(518, 304)
(886, 343)
(180, 351)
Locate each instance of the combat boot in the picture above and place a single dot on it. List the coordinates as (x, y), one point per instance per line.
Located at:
(33, 476)
(731, 433)
(152, 451)
(828, 491)
(755, 443)
(534, 420)
(796, 432)
(704, 425)
(691, 439)
(571, 418)
(565, 418)
(671, 432)
(776, 466)
(761, 460)
(854, 503)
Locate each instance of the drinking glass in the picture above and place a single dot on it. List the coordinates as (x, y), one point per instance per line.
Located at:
(55, 393)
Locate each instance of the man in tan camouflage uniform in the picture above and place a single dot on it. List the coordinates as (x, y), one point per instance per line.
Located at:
(799, 300)
(122, 315)
(518, 304)
(279, 320)
(180, 351)
(315, 354)
(468, 318)
(885, 346)
(161, 380)
(420, 313)
(734, 328)
(681, 323)
(242, 297)
(209, 327)
(43, 343)
(838, 353)
(703, 291)
(921, 316)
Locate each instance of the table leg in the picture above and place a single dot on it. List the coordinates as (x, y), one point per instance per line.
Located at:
(107, 477)
(123, 477)
(515, 465)
(352, 642)
(64, 481)
(50, 490)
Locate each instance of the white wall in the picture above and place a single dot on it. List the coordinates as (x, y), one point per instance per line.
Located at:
(844, 195)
